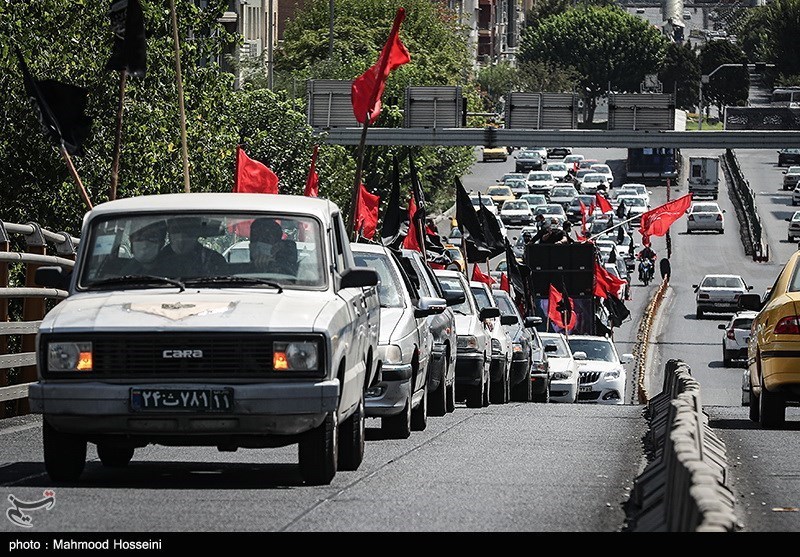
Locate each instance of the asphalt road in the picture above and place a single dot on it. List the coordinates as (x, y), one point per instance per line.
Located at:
(515, 467)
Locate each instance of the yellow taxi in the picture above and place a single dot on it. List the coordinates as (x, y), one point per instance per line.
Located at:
(500, 194)
(773, 349)
(494, 154)
(457, 256)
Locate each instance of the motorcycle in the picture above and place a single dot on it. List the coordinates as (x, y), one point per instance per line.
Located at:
(646, 271)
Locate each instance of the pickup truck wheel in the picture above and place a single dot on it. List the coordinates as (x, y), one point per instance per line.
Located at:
(439, 396)
(352, 434)
(398, 426)
(419, 415)
(64, 454)
(771, 408)
(318, 452)
(114, 456)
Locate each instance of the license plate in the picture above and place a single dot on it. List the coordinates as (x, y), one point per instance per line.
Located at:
(182, 400)
(585, 389)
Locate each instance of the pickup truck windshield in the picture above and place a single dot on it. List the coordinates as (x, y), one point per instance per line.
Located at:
(211, 250)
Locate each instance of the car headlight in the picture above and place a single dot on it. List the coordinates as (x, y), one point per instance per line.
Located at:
(561, 375)
(392, 354)
(69, 356)
(295, 356)
(496, 346)
(467, 342)
(613, 374)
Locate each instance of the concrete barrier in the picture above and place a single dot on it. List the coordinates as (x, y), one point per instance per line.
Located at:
(684, 486)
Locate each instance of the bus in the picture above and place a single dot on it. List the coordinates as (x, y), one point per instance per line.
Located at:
(785, 97)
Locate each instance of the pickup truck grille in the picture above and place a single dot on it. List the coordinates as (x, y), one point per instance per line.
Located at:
(223, 355)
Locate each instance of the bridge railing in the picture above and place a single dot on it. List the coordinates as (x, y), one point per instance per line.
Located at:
(23, 249)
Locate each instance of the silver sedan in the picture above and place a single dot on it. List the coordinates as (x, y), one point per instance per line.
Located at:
(705, 216)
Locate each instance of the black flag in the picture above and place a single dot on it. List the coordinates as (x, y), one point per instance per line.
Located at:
(62, 109)
(130, 50)
(469, 224)
(395, 219)
(419, 195)
(621, 209)
(491, 230)
(515, 277)
(617, 310)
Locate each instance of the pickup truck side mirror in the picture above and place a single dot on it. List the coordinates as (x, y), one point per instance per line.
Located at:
(721, 326)
(787, 219)
(53, 277)
(358, 277)
(695, 287)
(489, 313)
(429, 306)
(532, 321)
(453, 297)
(508, 320)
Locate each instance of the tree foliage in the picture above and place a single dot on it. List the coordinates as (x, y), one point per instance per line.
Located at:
(439, 57)
(681, 74)
(605, 45)
(769, 33)
(729, 86)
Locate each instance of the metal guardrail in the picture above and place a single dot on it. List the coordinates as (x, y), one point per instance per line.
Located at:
(18, 369)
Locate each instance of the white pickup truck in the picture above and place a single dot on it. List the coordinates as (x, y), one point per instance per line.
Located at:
(165, 340)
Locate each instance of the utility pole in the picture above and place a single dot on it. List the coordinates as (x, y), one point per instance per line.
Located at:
(270, 38)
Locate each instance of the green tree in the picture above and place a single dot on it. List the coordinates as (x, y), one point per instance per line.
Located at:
(439, 56)
(543, 9)
(729, 86)
(605, 45)
(681, 74)
(770, 34)
(495, 82)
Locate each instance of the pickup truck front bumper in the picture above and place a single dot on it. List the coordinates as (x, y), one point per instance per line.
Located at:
(89, 407)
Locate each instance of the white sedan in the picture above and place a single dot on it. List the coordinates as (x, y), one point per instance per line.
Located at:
(563, 368)
(606, 171)
(705, 216)
(602, 375)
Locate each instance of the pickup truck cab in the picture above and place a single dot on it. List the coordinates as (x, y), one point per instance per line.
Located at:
(172, 344)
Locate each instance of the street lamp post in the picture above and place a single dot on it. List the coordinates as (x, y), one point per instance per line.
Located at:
(706, 78)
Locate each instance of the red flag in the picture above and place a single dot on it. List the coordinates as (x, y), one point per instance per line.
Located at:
(584, 216)
(553, 312)
(253, 176)
(603, 203)
(312, 181)
(504, 284)
(656, 222)
(411, 241)
(605, 282)
(366, 212)
(477, 275)
(367, 89)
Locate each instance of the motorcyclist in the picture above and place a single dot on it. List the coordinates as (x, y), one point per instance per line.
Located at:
(647, 254)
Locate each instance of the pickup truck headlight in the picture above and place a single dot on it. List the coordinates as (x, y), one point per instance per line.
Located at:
(392, 354)
(69, 356)
(496, 346)
(295, 356)
(467, 342)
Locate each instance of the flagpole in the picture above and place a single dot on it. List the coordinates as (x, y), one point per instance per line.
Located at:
(112, 191)
(611, 228)
(81, 190)
(357, 182)
(181, 109)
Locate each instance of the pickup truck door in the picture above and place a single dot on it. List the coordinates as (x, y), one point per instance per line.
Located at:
(355, 333)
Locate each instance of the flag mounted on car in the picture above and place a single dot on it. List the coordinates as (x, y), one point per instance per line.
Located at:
(476, 245)
(253, 176)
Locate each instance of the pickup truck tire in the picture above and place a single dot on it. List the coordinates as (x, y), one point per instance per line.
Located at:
(318, 452)
(771, 408)
(438, 402)
(352, 436)
(399, 425)
(419, 415)
(64, 454)
(114, 456)
(521, 392)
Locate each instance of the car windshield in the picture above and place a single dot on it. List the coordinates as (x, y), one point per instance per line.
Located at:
(573, 158)
(601, 168)
(453, 284)
(212, 248)
(506, 306)
(529, 155)
(563, 192)
(482, 297)
(794, 170)
(705, 209)
(550, 209)
(633, 201)
(562, 350)
(389, 281)
(637, 189)
(516, 205)
(594, 178)
(599, 350)
(557, 167)
(483, 200)
(723, 282)
(534, 200)
(515, 183)
(540, 176)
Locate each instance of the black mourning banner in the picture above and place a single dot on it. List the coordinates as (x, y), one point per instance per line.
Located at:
(129, 51)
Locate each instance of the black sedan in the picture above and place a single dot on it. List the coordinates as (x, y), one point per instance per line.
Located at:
(788, 156)
(528, 160)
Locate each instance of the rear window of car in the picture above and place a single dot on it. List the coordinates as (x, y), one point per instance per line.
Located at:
(705, 209)
(540, 176)
(742, 323)
(723, 282)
